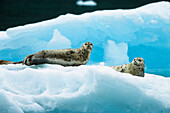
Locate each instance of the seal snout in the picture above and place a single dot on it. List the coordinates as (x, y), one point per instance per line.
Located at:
(89, 47)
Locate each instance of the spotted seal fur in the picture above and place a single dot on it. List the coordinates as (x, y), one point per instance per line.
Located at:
(136, 67)
(64, 57)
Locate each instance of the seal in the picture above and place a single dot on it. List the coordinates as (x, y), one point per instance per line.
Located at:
(136, 67)
(5, 62)
(64, 57)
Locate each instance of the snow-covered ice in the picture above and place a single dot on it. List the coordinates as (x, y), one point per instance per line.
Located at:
(97, 89)
(3, 35)
(117, 35)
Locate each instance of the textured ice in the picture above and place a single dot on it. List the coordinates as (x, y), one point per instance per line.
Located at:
(3, 35)
(121, 53)
(58, 40)
(117, 35)
(142, 32)
(89, 89)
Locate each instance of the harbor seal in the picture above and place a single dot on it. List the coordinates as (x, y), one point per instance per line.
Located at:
(5, 62)
(64, 57)
(136, 67)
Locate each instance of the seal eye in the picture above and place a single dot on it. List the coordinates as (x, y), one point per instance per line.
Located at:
(86, 44)
(91, 44)
(139, 60)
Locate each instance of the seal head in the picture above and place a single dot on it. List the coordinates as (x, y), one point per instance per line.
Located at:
(88, 46)
(138, 66)
(138, 61)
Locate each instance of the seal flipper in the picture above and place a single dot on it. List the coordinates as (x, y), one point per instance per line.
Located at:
(18, 62)
(141, 74)
(28, 60)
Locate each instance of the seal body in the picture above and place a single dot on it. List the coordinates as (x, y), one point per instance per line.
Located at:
(136, 67)
(64, 57)
(5, 62)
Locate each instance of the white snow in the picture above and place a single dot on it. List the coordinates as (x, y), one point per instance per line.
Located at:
(94, 89)
(86, 3)
(3, 35)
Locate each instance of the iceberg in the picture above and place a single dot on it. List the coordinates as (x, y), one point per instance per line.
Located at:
(98, 89)
(143, 31)
(117, 35)
(86, 3)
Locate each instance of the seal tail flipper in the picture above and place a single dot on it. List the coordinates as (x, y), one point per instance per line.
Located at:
(20, 62)
(27, 60)
(2, 62)
(8, 62)
(117, 68)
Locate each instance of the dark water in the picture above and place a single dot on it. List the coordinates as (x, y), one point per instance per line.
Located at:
(20, 12)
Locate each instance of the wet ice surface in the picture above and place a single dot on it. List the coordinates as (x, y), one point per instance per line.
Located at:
(54, 88)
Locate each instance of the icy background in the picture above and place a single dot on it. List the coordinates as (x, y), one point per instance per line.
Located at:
(117, 35)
